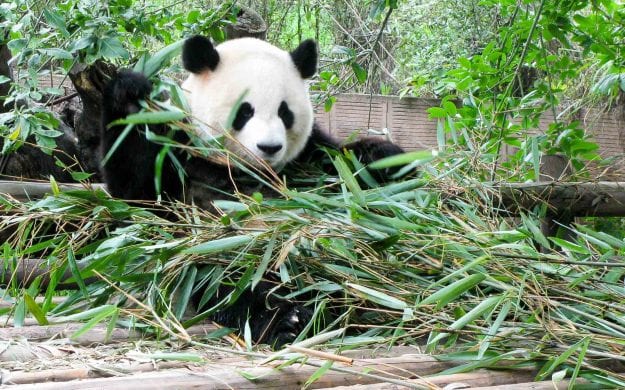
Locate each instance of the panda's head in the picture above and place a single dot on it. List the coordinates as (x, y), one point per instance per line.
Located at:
(274, 118)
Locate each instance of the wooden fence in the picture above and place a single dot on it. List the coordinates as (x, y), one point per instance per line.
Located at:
(408, 123)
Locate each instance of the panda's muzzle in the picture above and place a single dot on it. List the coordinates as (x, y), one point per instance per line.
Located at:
(269, 149)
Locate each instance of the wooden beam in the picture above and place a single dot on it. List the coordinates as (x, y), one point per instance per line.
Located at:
(580, 199)
(265, 377)
(460, 381)
(95, 335)
(27, 270)
(25, 190)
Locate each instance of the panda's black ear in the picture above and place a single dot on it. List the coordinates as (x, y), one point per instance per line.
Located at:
(199, 54)
(305, 58)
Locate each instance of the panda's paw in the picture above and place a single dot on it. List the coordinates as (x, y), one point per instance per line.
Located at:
(370, 149)
(290, 325)
(125, 91)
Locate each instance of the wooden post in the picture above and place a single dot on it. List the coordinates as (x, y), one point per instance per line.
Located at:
(556, 168)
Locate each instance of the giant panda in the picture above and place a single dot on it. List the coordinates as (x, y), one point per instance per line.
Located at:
(273, 126)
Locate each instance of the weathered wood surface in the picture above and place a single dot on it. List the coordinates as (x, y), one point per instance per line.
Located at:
(267, 377)
(605, 199)
(27, 270)
(95, 335)
(478, 378)
(466, 380)
(69, 374)
(545, 385)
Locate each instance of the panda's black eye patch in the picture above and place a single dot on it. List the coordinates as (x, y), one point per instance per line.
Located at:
(285, 113)
(244, 114)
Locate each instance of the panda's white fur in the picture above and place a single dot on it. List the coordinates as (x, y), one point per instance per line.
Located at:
(264, 76)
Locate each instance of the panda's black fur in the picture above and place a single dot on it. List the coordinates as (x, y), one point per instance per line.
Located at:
(129, 174)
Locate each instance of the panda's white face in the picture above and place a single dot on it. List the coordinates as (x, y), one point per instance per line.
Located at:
(275, 118)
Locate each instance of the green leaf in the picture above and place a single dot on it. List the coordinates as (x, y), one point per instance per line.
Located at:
(350, 181)
(360, 72)
(423, 156)
(379, 297)
(550, 366)
(150, 117)
(453, 291)
(220, 245)
(320, 372)
(106, 311)
(112, 48)
(73, 266)
(483, 308)
(184, 291)
(171, 356)
(570, 246)
(159, 59)
(35, 310)
(329, 103)
(57, 20)
(56, 53)
(436, 112)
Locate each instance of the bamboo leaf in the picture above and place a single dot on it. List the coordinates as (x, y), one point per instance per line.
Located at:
(35, 310)
(220, 245)
(453, 291)
(105, 311)
(320, 372)
(379, 297)
(73, 266)
(150, 117)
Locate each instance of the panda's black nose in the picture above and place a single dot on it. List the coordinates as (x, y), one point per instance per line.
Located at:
(269, 149)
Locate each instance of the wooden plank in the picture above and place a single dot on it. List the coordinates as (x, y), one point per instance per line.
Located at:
(460, 381)
(95, 335)
(545, 385)
(291, 377)
(25, 190)
(69, 374)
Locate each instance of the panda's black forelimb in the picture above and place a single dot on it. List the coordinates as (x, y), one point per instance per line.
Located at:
(366, 150)
(272, 320)
(129, 171)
